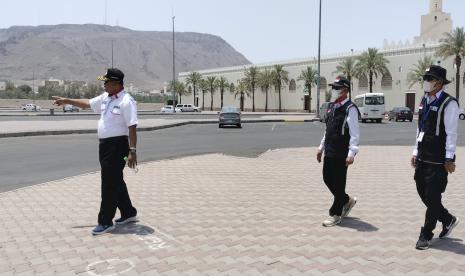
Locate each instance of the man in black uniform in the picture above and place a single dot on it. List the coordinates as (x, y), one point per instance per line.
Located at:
(434, 152)
(340, 145)
(118, 138)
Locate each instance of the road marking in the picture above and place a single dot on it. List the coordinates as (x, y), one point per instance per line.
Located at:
(151, 236)
(109, 269)
(274, 125)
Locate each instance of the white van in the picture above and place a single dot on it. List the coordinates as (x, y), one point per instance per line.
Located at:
(371, 106)
(186, 108)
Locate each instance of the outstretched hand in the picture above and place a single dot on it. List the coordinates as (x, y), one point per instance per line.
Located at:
(59, 101)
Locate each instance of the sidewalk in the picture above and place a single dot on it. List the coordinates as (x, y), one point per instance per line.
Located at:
(79, 126)
(224, 215)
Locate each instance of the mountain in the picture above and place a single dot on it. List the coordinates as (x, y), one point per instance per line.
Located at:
(82, 52)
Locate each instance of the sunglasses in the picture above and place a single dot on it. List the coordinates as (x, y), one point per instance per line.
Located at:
(428, 78)
(338, 87)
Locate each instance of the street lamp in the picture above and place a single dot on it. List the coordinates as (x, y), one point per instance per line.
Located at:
(319, 72)
(33, 84)
(174, 73)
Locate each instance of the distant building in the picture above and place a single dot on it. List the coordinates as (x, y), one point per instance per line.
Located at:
(53, 82)
(2, 85)
(402, 58)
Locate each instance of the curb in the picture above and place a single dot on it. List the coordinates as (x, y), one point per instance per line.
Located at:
(89, 131)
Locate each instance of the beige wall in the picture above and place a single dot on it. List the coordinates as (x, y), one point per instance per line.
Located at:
(401, 61)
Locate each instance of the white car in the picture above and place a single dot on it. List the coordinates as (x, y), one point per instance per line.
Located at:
(70, 108)
(187, 108)
(462, 114)
(167, 109)
(30, 107)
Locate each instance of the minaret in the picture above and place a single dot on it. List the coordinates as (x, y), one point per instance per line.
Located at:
(435, 23)
(435, 6)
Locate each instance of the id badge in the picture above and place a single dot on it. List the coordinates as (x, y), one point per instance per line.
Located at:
(103, 107)
(420, 136)
(116, 110)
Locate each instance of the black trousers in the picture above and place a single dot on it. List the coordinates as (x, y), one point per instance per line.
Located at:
(114, 191)
(431, 181)
(335, 176)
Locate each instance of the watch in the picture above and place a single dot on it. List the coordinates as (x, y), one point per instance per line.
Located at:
(132, 150)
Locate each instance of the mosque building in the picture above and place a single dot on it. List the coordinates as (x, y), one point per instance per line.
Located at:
(402, 57)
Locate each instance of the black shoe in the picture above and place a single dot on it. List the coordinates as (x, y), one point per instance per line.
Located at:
(447, 229)
(422, 242)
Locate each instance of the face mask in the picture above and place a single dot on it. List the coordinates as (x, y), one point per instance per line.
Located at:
(335, 94)
(428, 86)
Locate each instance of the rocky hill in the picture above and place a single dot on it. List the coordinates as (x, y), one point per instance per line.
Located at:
(81, 52)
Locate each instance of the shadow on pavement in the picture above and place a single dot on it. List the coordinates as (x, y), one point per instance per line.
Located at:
(357, 224)
(133, 228)
(449, 244)
(83, 226)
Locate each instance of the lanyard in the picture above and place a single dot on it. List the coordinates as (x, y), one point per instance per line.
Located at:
(428, 110)
(107, 106)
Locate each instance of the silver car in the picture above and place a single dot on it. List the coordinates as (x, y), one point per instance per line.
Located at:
(229, 115)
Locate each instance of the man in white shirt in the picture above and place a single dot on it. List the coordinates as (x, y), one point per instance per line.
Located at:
(118, 139)
(434, 153)
(339, 145)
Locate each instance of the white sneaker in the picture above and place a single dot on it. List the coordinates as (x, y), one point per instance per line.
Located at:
(348, 206)
(332, 220)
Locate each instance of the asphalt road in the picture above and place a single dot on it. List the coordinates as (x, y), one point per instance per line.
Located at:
(32, 160)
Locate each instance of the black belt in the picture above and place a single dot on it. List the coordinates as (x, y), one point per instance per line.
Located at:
(113, 139)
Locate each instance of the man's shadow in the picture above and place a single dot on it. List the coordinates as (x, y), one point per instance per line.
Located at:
(133, 228)
(125, 229)
(449, 244)
(357, 224)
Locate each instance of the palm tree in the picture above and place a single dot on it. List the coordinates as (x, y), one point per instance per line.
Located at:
(371, 63)
(180, 89)
(265, 80)
(280, 77)
(416, 74)
(211, 81)
(347, 68)
(251, 79)
(203, 85)
(194, 79)
(222, 84)
(454, 45)
(310, 76)
(242, 91)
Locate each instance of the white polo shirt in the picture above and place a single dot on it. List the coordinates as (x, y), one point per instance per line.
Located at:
(117, 113)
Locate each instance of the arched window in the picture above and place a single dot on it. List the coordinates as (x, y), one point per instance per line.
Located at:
(363, 83)
(292, 86)
(386, 82)
(231, 87)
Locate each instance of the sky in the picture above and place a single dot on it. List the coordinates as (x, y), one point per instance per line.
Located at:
(262, 30)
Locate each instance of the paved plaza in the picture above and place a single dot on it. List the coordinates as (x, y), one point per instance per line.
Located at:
(226, 215)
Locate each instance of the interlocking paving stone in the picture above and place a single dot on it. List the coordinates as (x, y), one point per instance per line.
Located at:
(223, 215)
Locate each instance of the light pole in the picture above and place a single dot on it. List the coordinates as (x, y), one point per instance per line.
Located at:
(350, 75)
(112, 54)
(319, 72)
(174, 74)
(33, 93)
